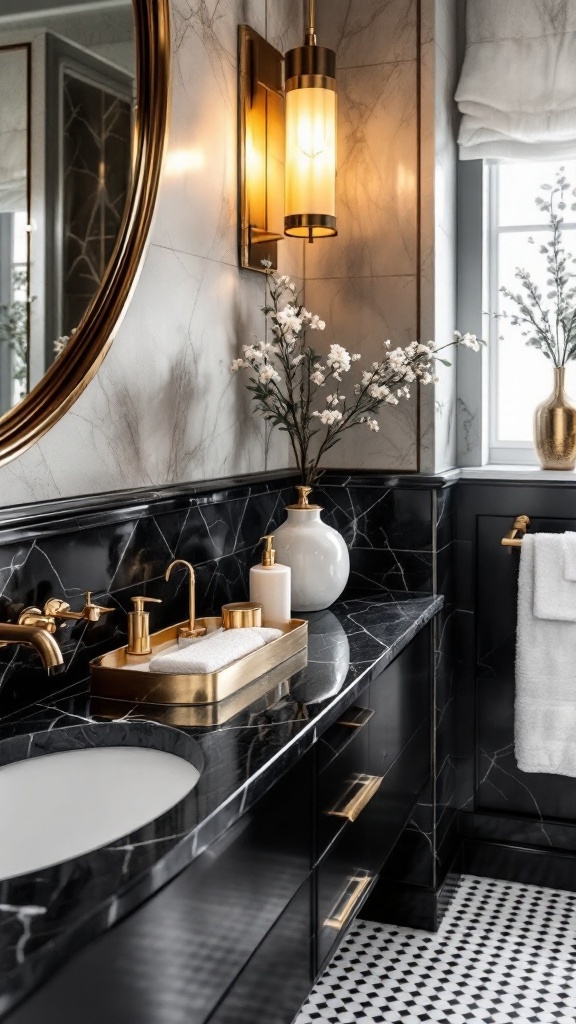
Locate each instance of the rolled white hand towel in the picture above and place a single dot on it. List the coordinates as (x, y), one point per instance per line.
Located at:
(214, 651)
(569, 554)
(554, 596)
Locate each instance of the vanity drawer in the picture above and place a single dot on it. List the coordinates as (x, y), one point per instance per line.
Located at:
(379, 808)
(279, 975)
(342, 756)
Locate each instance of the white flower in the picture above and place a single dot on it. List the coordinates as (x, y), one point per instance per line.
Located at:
(288, 319)
(367, 376)
(297, 360)
(282, 281)
(356, 357)
(373, 424)
(422, 349)
(329, 416)
(266, 263)
(378, 391)
(469, 340)
(392, 400)
(334, 399)
(337, 377)
(338, 358)
(268, 374)
(317, 378)
(237, 364)
(253, 353)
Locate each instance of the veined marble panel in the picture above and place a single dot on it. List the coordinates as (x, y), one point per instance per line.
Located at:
(368, 31)
(377, 176)
(361, 314)
(163, 407)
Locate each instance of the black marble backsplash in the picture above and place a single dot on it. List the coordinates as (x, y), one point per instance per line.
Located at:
(119, 546)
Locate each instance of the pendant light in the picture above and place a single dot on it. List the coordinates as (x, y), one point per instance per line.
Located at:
(311, 112)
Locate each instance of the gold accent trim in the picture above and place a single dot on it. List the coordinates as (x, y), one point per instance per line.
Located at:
(310, 82)
(521, 524)
(70, 374)
(363, 789)
(116, 676)
(338, 918)
(310, 225)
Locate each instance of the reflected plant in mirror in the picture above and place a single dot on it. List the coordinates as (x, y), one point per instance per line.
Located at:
(67, 103)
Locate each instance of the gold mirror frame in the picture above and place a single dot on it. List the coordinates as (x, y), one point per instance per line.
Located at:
(23, 425)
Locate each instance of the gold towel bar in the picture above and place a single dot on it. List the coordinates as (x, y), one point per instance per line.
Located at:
(511, 540)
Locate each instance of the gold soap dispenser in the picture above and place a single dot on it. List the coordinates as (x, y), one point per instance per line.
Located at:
(139, 626)
(270, 585)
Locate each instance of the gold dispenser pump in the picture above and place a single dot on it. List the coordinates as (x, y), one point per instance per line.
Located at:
(139, 626)
(268, 554)
(303, 504)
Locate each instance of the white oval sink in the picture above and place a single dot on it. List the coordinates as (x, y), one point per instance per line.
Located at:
(62, 805)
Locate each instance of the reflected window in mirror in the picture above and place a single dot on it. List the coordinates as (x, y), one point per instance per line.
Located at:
(67, 112)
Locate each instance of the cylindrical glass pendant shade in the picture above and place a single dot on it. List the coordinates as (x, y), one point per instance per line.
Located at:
(311, 114)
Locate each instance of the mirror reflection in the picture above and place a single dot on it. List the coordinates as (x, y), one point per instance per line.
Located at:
(67, 112)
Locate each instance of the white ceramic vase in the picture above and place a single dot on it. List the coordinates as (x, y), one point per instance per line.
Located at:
(316, 554)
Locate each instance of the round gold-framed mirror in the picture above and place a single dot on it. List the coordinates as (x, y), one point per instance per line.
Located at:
(74, 359)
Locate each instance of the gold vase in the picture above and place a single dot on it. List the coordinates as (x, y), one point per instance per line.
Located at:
(555, 428)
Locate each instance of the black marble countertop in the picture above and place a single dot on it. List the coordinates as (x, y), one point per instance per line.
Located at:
(47, 915)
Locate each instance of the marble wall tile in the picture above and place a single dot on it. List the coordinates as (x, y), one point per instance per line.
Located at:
(377, 176)
(368, 31)
(361, 313)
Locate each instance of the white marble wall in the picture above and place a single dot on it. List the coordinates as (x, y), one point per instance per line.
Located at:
(439, 157)
(364, 283)
(163, 407)
(392, 273)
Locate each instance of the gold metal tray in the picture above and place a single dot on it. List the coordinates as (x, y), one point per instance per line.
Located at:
(125, 677)
(264, 693)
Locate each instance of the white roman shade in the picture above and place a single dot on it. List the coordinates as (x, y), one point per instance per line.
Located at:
(517, 90)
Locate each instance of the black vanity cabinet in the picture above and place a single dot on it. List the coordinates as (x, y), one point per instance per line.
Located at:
(240, 935)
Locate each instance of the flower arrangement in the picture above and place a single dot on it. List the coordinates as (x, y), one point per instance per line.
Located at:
(301, 391)
(553, 332)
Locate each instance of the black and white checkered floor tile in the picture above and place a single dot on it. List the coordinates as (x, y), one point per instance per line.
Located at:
(504, 953)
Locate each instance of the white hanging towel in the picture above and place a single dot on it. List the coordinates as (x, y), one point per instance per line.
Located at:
(545, 706)
(569, 551)
(554, 595)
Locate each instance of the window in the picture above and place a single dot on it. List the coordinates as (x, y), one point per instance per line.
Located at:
(519, 377)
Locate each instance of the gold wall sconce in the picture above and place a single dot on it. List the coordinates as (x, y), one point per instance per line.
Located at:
(311, 118)
(261, 149)
(287, 144)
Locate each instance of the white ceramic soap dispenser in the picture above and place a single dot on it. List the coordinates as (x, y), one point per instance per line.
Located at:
(270, 585)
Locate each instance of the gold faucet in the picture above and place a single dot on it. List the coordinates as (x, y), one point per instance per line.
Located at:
(37, 637)
(55, 608)
(191, 629)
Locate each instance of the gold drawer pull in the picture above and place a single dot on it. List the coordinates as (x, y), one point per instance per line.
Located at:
(364, 787)
(356, 718)
(351, 898)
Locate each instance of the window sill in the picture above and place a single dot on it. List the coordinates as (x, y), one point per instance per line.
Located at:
(529, 474)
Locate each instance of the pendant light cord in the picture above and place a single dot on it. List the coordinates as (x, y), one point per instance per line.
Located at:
(311, 31)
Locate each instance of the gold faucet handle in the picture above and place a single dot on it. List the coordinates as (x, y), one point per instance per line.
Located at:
(32, 616)
(91, 611)
(56, 608)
